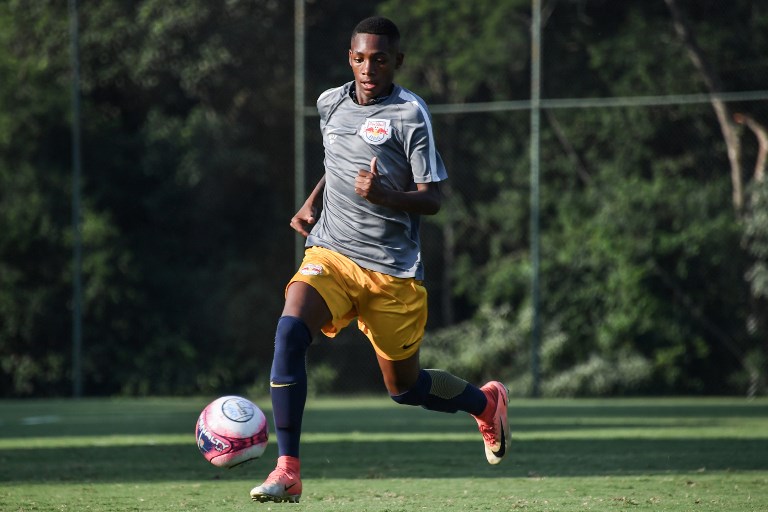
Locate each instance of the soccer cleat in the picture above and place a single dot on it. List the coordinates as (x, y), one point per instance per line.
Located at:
(282, 485)
(493, 423)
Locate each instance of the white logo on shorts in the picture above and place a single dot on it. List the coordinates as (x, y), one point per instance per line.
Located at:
(312, 269)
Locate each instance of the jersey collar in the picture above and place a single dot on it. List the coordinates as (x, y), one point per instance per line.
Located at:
(374, 101)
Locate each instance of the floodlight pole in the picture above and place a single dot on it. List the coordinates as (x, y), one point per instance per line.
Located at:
(298, 120)
(77, 242)
(535, 194)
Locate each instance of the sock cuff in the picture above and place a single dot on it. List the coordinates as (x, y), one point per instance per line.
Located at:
(490, 406)
(290, 464)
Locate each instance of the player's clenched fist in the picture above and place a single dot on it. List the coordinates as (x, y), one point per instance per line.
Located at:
(367, 183)
(304, 219)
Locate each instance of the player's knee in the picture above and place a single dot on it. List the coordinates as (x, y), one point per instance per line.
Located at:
(417, 395)
(435, 390)
(292, 335)
(292, 338)
(410, 397)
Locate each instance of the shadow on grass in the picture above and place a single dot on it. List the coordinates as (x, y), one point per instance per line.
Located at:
(399, 458)
(392, 459)
(154, 417)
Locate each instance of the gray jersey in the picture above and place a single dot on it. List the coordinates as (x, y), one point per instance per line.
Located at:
(398, 131)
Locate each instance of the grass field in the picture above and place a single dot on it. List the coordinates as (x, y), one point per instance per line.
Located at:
(369, 454)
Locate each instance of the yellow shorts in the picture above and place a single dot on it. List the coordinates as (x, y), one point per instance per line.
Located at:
(390, 311)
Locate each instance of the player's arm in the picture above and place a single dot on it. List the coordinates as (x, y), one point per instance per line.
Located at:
(425, 200)
(307, 215)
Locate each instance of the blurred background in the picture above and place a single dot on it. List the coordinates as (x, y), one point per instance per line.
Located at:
(653, 206)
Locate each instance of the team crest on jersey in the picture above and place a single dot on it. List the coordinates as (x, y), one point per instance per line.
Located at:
(312, 269)
(376, 131)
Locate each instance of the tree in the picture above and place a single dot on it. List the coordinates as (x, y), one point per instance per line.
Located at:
(34, 207)
(650, 282)
(181, 188)
(635, 229)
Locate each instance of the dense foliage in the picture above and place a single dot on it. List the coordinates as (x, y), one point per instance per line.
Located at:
(652, 282)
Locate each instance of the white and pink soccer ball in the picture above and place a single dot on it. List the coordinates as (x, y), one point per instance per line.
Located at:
(231, 430)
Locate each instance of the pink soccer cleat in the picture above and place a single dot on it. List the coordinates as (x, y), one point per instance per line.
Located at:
(282, 485)
(493, 423)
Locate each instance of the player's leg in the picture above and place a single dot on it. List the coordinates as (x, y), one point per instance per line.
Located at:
(393, 317)
(304, 313)
(438, 390)
(396, 329)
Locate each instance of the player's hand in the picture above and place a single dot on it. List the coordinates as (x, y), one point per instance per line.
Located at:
(304, 219)
(367, 184)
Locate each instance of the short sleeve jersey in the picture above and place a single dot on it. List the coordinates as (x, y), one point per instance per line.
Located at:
(398, 131)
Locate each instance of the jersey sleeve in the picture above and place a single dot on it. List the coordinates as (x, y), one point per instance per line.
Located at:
(419, 144)
(325, 104)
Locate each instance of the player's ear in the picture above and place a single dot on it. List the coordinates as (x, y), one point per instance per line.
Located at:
(399, 60)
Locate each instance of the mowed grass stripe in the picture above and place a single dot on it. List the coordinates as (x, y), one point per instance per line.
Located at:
(102, 422)
(636, 432)
(368, 454)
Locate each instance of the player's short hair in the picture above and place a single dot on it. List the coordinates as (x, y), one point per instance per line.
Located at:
(380, 26)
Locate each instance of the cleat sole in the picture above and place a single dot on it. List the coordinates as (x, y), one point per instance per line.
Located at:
(263, 498)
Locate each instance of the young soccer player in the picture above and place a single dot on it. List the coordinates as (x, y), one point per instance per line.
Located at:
(363, 258)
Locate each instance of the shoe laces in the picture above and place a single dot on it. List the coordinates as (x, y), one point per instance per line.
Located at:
(488, 426)
(279, 475)
(488, 430)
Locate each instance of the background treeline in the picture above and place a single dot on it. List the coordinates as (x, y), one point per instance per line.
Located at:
(654, 218)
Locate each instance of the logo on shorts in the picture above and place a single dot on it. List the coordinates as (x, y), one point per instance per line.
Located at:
(376, 131)
(312, 269)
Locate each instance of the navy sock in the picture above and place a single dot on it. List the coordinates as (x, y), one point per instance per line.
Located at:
(438, 390)
(288, 382)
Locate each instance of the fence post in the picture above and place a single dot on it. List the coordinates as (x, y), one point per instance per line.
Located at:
(534, 199)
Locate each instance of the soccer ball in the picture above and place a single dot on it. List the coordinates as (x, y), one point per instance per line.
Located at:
(231, 430)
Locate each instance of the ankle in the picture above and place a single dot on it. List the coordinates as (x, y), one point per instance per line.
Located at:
(490, 406)
(289, 463)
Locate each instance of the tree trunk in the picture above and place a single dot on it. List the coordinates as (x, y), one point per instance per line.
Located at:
(712, 82)
(762, 140)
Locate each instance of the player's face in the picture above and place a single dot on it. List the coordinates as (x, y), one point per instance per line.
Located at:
(374, 61)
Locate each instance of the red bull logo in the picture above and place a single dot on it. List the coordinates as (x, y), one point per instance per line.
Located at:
(376, 131)
(312, 269)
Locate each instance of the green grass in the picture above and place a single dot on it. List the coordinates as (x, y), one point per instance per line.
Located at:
(369, 454)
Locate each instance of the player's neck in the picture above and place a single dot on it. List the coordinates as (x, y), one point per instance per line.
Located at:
(371, 101)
